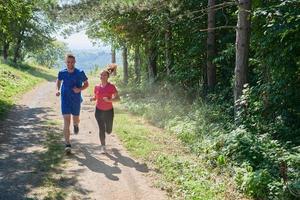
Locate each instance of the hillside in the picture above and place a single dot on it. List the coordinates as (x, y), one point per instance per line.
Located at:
(15, 81)
(88, 59)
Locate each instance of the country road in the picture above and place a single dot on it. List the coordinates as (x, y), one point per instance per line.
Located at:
(87, 173)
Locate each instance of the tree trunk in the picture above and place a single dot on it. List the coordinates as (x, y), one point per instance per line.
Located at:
(168, 50)
(204, 85)
(113, 55)
(17, 50)
(137, 64)
(125, 64)
(242, 52)
(152, 65)
(5, 50)
(211, 45)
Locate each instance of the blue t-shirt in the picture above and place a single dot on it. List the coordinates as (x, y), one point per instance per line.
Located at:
(71, 80)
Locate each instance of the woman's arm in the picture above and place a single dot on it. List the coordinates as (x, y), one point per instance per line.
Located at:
(115, 98)
(94, 98)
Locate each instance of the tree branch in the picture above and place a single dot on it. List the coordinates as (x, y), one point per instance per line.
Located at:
(217, 28)
(216, 7)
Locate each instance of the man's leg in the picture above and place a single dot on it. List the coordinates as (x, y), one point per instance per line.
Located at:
(76, 123)
(67, 121)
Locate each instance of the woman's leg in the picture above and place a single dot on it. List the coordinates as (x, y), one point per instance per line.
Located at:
(109, 119)
(101, 124)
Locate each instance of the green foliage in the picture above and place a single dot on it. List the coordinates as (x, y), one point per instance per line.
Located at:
(256, 183)
(25, 25)
(183, 175)
(193, 182)
(263, 156)
(15, 81)
(266, 132)
(210, 134)
(50, 55)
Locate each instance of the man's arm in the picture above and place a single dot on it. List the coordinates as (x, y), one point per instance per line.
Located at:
(58, 84)
(85, 85)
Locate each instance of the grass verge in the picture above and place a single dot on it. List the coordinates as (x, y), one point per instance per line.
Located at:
(16, 80)
(182, 174)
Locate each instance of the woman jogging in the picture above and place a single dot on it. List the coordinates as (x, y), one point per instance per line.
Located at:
(105, 94)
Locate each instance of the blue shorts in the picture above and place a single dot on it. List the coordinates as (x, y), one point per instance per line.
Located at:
(72, 108)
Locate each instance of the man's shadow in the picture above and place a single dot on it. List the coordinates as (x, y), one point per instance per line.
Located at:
(117, 157)
(98, 166)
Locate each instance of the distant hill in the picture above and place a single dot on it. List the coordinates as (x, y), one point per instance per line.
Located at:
(89, 59)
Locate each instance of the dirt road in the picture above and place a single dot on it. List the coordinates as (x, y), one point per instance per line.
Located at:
(88, 174)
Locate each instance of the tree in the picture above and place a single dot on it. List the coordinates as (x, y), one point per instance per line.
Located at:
(50, 55)
(125, 64)
(151, 52)
(113, 54)
(25, 25)
(211, 45)
(168, 44)
(242, 51)
(137, 64)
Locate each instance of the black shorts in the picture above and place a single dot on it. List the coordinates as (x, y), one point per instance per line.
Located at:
(105, 119)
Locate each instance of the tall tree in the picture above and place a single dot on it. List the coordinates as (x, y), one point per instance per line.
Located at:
(125, 64)
(113, 54)
(168, 49)
(5, 49)
(24, 25)
(151, 52)
(211, 45)
(137, 64)
(50, 55)
(242, 51)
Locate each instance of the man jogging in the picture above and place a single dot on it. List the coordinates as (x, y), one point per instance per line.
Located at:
(73, 82)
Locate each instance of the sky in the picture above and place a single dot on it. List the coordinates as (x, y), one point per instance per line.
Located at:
(80, 41)
(87, 55)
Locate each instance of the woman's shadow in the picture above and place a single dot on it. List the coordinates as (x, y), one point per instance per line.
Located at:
(98, 166)
(117, 157)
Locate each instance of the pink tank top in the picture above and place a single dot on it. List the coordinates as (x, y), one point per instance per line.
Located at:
(107, 91)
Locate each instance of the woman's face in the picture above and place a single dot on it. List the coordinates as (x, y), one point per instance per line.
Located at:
(104, 76)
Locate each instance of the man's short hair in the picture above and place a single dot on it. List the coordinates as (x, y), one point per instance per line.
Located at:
(69, 55)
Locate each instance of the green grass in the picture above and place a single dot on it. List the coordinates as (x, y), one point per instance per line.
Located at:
(134, 135)
(16, 80)
(182, 174)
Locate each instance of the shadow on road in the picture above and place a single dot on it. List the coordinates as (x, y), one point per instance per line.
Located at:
(98, 166)
(22, 136)
(117, 157)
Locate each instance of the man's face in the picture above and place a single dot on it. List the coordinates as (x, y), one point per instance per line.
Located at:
(70, 63)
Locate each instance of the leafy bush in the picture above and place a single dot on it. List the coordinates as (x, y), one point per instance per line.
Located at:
(211, 134)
